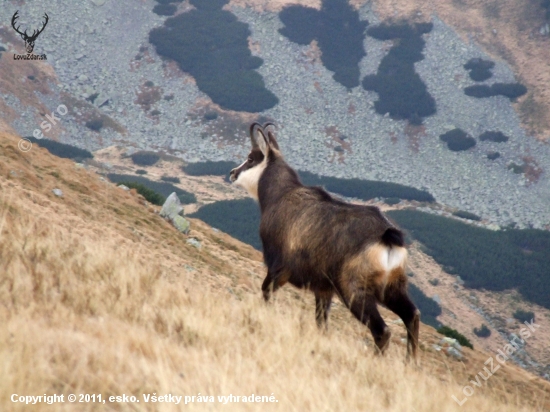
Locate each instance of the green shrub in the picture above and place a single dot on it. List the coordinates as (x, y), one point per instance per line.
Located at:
(401, 91)
(365, 189)
(458, 140)
(392, 200)
(493, 155)
(466, 215)
(483, 332)
(238, 218)
(480, 69)
(149, 194)
(212, 115)
(524, 316)
(221, 168)
(485, 259)
(145, 158)
(165, 9)
(452, 333)
(64, 150)
(510, 90)
(91, 98)
(517, 169)
(339, 34)
(497, 137)
(212, 45)
(141, 172)
(170, 179)
(429, 309)
(164, 188)
(95, 124)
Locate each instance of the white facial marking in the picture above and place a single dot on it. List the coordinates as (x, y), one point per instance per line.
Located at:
(250, 178)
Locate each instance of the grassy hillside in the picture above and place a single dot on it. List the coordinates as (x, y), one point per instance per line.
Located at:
(100, 295)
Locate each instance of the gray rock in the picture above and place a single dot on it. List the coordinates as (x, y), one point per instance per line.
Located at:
(102, 100)
(123, 187)
(436, 299)
(454, 353)
(57, 192)
(194, 242)
(171, 207)
(182, 224)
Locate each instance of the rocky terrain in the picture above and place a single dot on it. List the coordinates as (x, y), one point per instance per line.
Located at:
(102, 48)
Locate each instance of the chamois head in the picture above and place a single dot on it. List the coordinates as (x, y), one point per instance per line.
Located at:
(264, 145)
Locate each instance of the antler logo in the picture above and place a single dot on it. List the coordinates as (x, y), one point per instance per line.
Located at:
(29, 40)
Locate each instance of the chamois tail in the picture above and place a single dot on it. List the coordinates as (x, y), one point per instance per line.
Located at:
(393, 237)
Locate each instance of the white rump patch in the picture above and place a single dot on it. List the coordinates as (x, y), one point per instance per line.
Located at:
(250, 178)
(392, 258)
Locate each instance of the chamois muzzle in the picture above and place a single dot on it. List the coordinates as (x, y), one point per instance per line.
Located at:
(233, 175)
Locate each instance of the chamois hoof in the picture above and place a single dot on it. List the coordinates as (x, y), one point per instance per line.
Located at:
(383, 341)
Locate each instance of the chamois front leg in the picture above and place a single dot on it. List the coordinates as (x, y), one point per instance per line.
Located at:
(272, 282)
(323, 301)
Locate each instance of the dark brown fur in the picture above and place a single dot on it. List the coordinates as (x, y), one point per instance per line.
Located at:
(314, 241)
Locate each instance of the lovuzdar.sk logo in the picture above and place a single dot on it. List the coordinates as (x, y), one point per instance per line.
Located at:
(29, 39)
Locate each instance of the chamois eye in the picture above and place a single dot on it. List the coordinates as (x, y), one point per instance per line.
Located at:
(250, 160)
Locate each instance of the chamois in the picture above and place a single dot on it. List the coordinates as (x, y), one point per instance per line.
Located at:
(328, 246)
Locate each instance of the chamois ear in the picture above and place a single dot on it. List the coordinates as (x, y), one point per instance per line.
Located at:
(271, 135)
(258, 138)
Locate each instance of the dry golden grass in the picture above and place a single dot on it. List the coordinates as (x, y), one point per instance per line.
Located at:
(99, 295)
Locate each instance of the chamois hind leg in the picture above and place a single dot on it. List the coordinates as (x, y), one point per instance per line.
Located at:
(271, 283)
(323, 300)
(364, 308)
(397, 300)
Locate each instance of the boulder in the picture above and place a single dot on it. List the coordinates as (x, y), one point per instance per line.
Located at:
(172, 207)
(181, 224)
(454, 353)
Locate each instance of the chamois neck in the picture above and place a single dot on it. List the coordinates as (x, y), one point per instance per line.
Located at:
(277, 179)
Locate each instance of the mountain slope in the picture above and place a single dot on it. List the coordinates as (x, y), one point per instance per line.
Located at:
(100, 295)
